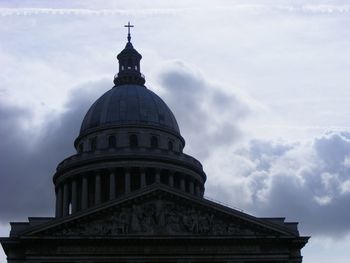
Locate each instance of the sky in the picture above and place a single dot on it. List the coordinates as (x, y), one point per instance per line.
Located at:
(265, 83)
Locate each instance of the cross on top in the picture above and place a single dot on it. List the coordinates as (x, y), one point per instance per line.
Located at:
(129, 26)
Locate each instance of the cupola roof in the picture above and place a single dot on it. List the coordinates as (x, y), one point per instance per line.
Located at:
(129, 64)
(130, 104)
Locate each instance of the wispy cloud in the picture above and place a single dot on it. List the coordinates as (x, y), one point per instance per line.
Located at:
(82, 12)
(125, 11)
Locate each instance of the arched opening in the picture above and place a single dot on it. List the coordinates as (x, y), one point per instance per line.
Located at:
(112, 142)
(170, 145)
(133, 141)
(129, 63)
(154, 142)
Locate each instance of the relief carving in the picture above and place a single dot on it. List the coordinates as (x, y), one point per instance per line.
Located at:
(157, 217)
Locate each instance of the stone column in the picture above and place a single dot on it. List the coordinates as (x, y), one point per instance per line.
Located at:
(157, 176)
(84, 193)
(191, 187)
(59, 201)
(197, 190)
(171, 179)
(182, 183)
(65, 199)
(143, 177)
(97, 188)
(74, 196)
(127, 186)
(112, 185)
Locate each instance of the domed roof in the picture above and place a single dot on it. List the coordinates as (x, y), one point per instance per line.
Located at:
(129, 104)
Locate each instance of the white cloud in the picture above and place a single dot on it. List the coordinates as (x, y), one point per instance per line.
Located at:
(305, 181)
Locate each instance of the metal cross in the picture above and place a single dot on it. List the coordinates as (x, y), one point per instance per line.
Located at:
(128, 26)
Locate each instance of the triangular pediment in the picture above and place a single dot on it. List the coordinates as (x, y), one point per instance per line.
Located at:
(159, 212)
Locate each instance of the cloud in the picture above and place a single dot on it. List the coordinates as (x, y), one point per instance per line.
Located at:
(208, 114)
(83, 11)
(29, 154)
(306, 181)
(127, 8)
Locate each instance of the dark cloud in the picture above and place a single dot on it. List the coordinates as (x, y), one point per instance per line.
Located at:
(30, 155)
(307, 182)
(208, 115)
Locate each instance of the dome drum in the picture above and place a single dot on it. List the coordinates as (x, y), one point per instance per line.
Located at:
(85, 162)
(84, 189)
(120, 137)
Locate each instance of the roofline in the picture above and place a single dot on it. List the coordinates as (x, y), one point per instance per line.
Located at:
(157, 187)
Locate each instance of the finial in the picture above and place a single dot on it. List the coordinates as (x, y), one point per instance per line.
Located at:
(128, 26)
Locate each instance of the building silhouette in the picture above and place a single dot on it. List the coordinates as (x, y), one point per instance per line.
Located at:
(130, 194)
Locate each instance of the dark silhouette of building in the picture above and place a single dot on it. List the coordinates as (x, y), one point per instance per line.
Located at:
(130, 194)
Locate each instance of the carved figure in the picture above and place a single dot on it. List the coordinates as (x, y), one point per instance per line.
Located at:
(156, 216)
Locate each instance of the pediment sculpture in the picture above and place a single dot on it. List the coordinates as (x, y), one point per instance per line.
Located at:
(155, 217)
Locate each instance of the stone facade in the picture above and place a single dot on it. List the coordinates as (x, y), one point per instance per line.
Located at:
(158, 224)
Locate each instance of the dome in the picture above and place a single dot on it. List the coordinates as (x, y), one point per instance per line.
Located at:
(129, 104)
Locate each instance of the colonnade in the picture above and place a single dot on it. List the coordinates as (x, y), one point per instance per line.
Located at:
(86, 190)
